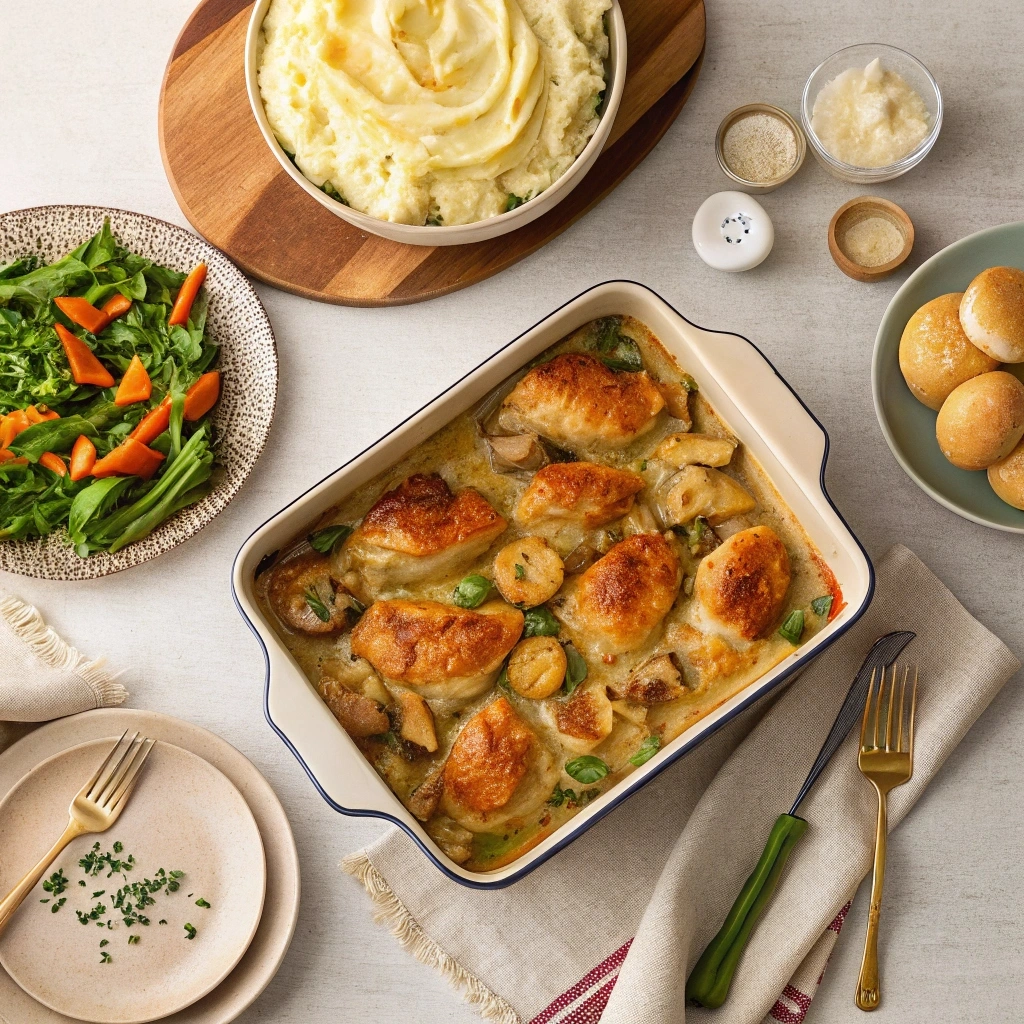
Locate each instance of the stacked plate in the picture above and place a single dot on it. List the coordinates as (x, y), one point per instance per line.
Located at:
(217, 932)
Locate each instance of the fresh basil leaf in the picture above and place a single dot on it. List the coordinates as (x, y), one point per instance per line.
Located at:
(575, 669)
(822, 605)
(540, 622)
(472, 591)
(558, 796)
(586, 769)
(316, 606)
(624, 356)
(646, 750)
(792, 629)
(502, 682)
(51, 436)
(330, 537)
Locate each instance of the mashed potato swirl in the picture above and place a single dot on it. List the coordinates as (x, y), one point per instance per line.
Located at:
(433, 111)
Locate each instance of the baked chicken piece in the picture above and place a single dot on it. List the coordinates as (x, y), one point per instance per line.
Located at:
(420, 530)
(577, 401)
(578, 492)
(439, 650)
(741, 586)
(622, 597)
(497, 769)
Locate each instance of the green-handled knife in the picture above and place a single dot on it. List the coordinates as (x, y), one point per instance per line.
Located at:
(709, 981)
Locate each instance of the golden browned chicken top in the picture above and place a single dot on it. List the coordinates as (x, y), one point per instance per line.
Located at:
(585, 492)
(421, 516)
(423, 642)
(624, 595)
(577, 401)
(742, 584)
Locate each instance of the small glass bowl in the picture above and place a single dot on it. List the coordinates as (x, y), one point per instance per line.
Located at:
(893, 59)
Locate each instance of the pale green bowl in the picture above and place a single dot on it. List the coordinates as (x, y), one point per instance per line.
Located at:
(909, 426)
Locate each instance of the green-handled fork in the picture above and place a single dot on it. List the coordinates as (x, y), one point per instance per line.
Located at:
(886, 760)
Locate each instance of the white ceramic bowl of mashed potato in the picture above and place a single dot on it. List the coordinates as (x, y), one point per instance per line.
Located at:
(436, 122)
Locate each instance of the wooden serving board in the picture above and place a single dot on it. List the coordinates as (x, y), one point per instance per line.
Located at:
(237, 196)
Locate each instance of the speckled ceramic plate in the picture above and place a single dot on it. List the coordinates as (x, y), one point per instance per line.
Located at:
(236, 321)
(909, 426)
(184, 815)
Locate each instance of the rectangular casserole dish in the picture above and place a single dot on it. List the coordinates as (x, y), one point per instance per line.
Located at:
(750, 397)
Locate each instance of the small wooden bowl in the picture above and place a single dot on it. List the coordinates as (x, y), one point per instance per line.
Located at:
(855, 212)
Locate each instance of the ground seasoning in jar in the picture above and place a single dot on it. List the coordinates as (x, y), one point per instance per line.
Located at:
(759, 148)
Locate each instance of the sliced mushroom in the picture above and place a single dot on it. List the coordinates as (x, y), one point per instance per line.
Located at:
(417, 721)
(456, 841)
(696, 491)
(423, 800)
(677, 401)
(657, 681)
(359, 716)
(581, 557)
(695, 449)
(357, 674)
(516, 451)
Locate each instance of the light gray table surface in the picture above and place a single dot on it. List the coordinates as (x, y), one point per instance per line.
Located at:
(78, 93)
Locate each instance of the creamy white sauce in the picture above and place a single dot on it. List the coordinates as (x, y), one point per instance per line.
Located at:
(870, 117)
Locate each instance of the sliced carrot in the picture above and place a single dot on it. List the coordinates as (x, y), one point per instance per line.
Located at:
(154, 423)
(83, 458)
(12, 425)
(85, 367)
(129, 458)
(82, 312)
(40, 414)
(54, 462)
(117, 305)
(202, 396)
(9, 456)
(135, 385)
(187, 295)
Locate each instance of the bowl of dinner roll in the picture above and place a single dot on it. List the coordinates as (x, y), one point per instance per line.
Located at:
(948, 377)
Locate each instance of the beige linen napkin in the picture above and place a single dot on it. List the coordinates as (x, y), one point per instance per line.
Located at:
(558, 947)
(41, 677)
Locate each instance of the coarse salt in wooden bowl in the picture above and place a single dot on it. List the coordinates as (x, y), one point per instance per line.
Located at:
(869, 238)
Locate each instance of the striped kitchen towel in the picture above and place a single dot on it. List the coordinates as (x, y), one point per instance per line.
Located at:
(609, 928)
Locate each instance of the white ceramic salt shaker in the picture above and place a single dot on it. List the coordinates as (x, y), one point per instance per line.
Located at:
(731, 231)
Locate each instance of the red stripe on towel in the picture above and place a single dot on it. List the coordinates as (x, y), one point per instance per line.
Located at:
(567, 998)
(795, 1013)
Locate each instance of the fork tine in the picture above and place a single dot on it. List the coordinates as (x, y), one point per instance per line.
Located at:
(92, 782)
(867, 710)
(892, 702)
(913, 708)
(903, 694)
(878, 708)
(127, 784)
(97, 787)
(115, 778)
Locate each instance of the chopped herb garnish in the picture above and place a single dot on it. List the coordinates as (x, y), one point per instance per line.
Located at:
(643, 465)
(575, 668)
(615, 349)
(202, 903)
(190, 930)
(540, 622)
(47, 900)
(97, 894)
(571, 798)
(118, 847)
(792, 629)
(688, 383)
(97, 912)
(56, 883)
(106, 958)
(822, 605)
(316, 606)
(81, 883)
(133, 940)
(60, 903)
(502, 682)
(472, 591)
(587, 769)
(162, 920)
(104, 942)
(327, 539)
(646, 750)
(514, 201)
(520, 571)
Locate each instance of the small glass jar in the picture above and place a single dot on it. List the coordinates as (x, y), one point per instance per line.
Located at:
(760, 187)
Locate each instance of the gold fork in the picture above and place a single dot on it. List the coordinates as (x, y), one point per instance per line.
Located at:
(886, 760)
(96, 807)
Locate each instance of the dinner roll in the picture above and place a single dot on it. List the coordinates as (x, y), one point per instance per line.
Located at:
(992, 313)
(936, 355)
(1007, 477)
(982, 420)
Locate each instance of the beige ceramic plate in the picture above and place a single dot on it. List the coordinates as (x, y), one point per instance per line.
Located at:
(184, 815)
(236, 321)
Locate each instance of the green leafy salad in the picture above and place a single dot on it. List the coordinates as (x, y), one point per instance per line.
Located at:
(106, 383)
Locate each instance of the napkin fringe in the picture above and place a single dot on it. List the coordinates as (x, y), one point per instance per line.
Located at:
(389, 910)
(29, 627)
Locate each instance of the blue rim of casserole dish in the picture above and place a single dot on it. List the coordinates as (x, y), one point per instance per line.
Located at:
(756, 692)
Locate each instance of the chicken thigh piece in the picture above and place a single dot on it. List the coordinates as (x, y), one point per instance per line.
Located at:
(622, 597)
(420, 530)
(439, 650)
(498, 769)
(577, 401)
(579, 492)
